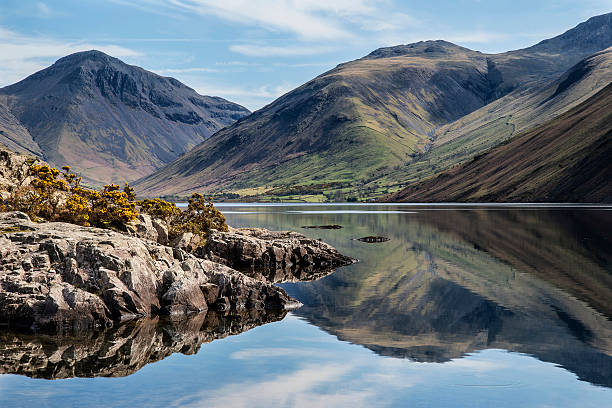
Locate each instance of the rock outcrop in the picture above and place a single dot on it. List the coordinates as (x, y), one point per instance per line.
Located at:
(62, 277)
(122, 350)
(14, 171)
(276, 256)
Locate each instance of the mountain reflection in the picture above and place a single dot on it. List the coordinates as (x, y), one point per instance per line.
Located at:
(120, 351)
(454, 282)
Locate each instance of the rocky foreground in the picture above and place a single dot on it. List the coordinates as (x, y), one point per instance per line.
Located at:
(61, 277)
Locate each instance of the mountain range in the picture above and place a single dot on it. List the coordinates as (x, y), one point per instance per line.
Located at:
(397, 116)
(402, 123)
(110, 121)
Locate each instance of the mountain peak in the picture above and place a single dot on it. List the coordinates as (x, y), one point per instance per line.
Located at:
(87, 56)
(111, 120)
(430, 47)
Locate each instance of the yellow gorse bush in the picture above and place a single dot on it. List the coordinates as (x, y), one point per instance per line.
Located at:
(58, 196)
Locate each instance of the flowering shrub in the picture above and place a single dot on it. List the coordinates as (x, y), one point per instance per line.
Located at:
(158, 208)
(58, 196)
(200, 217)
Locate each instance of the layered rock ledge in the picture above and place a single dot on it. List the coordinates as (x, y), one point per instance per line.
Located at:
(62, 277)
(275, 256)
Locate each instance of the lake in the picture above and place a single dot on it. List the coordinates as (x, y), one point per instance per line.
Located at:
(464, 306)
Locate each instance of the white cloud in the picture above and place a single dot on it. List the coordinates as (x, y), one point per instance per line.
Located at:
(297, 389)
(265, 91)
(320, 26)
(252, 97)
(310, 20)
(22, 55)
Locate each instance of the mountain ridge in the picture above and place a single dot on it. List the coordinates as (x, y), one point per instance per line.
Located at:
(365, 117)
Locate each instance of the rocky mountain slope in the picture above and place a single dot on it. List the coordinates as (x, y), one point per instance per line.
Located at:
(15, 136)
(368, 116)
(565, 160)
(108, 120)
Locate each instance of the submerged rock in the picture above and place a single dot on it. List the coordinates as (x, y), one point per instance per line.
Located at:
(372, 239)
(61, 277)
(330, 226)
(276, 256)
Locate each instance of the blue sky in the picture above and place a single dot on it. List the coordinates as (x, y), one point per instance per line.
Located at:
(252, 51)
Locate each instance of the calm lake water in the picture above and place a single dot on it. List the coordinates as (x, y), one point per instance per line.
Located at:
(465, 307)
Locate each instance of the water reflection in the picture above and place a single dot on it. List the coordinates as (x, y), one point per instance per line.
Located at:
(453, 282)
(120, 351)
(454, 290)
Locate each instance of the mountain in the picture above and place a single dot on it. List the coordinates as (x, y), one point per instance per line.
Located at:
(108, 120)
(14, 135)
(499, 121)
(565, 160)
(362, 119)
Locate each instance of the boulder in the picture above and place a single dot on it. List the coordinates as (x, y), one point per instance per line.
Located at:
(58, 277)
(272, 255)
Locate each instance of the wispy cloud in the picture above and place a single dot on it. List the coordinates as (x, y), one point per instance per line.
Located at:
(22, 55)
(252, 97)
(294, 389)
(274, 51)
(310, 20)
(265, 91)
(319, 26)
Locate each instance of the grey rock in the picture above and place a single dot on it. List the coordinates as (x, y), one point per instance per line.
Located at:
(14, 169)
(162, 231)
(60, 277)
(187, 241)
(275, 256)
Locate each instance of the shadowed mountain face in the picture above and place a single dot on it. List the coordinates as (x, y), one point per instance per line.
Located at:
(451, 282)
(372, 114)
(120, 351)
(565, 160)
(15, 136)
(108, 120)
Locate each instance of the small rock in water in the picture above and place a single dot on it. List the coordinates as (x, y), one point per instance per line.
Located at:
(372, 239)
(331, 226)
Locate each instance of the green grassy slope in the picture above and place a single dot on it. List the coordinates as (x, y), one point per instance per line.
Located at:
(497, 122)
(340, 126)
(565, 160)
(368, 125)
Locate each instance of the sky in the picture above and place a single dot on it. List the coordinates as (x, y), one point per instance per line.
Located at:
(253, 51)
